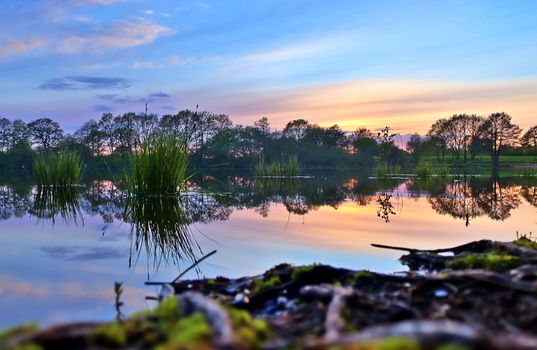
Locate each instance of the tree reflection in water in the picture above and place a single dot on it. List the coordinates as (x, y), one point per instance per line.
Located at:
(385, 206)
(469, 198)
(160, 226)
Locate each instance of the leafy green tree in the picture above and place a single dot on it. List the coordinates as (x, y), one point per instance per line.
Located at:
(107, 128)
(334, 137)
(296, 129)
(415, 145)
(45, 133)
(385, 140)
(499, 133)
(6, 129)
(91, 135)
(19, 134)
(363, 141)
(529, 139)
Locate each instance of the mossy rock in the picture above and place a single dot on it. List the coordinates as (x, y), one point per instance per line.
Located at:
(525, 242)
(251, 332)
(492, 261)
(111, 335)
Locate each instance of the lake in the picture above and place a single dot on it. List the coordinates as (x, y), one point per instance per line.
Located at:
(62, 251)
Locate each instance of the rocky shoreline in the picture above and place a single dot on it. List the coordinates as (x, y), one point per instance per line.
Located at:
(481, 295)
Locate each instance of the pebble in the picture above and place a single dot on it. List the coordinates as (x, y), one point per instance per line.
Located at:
(440, 293)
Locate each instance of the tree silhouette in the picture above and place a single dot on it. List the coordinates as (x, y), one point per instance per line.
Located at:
(45, 133)
(498, 132)
(529, 139)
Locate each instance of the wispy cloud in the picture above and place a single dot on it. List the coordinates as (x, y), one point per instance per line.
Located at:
(98, 2)
(22, 289)
(171, 61)
(13, 47)
(299, 50)
(102, 108)
(85, 83)
(150, 98)
(120, 34)
(74, 253)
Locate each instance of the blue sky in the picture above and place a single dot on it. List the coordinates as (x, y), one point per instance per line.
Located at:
(355, 63)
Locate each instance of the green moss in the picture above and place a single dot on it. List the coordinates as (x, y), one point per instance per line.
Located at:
(141, 314)
(300, 271)
(398, 343)
(492, 261)
(525, 242)
(29, 346)
(360, 275)
(110, 335)
(452, 347)
(167, 314)
(250, 331)
(191, 332)
(9, 332)
(269, 281)
(390, 343)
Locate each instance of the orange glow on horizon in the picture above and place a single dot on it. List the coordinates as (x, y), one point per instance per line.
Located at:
(407, 106)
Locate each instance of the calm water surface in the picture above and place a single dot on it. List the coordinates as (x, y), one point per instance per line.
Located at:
(62, 251)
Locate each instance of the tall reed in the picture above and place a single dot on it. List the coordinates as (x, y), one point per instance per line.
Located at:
(286, 168)
(424, 170)
(384, 169)
(57, 169)
(159, 167)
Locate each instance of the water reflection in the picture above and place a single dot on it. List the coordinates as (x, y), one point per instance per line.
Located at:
(52, 203)
(160, 227)
(215, 199)
(469, 198)
(385, 206)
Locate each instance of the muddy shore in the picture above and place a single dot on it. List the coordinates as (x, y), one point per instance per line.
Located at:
(481, 295)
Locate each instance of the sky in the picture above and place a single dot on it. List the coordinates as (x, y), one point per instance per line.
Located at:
(351, 63)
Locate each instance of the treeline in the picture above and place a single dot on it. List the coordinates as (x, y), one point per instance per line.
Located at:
(464, 136)
(213, 140)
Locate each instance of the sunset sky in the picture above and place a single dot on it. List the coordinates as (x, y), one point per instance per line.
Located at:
(354, 63)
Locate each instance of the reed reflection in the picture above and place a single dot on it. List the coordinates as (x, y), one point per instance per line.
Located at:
(53, 203)
(163, 221)
(160, 228)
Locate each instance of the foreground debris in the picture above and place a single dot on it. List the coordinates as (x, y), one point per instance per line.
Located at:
(481, 295)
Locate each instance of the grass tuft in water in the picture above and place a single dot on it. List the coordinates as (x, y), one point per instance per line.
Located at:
(57, 169)
(527, 171)
(159, 167)
(385, 170)
(443, 171)
(424, 170)
(286, 168)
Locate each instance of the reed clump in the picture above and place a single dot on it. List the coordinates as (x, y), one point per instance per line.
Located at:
(57, 169)
(384, 170)
(443, 171)
(424, 170)
(159, 167)
(286, 168)
(527, 171)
